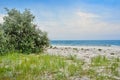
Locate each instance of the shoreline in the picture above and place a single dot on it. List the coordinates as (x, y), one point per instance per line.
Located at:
(102, 47)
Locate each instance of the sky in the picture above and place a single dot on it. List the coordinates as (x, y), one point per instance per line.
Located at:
(72, 19)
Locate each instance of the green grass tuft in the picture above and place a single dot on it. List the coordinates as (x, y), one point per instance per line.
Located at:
(43, 67)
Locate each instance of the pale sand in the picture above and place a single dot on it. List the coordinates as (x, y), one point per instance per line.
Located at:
(85, 52)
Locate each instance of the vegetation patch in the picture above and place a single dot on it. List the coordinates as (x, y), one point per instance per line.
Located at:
(18, 33)
(43, 66)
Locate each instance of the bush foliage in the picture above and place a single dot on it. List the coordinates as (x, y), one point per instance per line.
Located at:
(18, 33)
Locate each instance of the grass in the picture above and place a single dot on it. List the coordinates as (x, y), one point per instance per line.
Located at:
(108, 67)
(100, 61)
(48, 67)
(75, 49)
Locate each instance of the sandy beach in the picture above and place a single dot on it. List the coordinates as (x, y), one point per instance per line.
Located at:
(85, 52)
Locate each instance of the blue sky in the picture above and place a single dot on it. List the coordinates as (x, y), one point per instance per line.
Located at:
(72, 19)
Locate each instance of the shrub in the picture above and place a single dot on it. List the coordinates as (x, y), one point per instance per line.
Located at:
(23, 36)
(2, 41)
(99, 49)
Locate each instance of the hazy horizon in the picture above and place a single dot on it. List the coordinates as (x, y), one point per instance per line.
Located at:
(72, 19)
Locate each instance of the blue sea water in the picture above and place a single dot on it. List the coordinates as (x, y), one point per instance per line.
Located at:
(85, 42)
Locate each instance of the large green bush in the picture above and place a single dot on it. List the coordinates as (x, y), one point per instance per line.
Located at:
(22, 35)
(2, 41)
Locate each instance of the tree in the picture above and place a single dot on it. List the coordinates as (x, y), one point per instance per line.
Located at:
(23, 35)
(2, 41)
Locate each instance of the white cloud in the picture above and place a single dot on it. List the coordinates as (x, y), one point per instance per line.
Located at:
(80, 25)
(87, 15)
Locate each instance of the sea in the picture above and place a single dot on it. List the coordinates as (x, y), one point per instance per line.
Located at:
(108, 43)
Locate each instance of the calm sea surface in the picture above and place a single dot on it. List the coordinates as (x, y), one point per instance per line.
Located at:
(85, 42)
